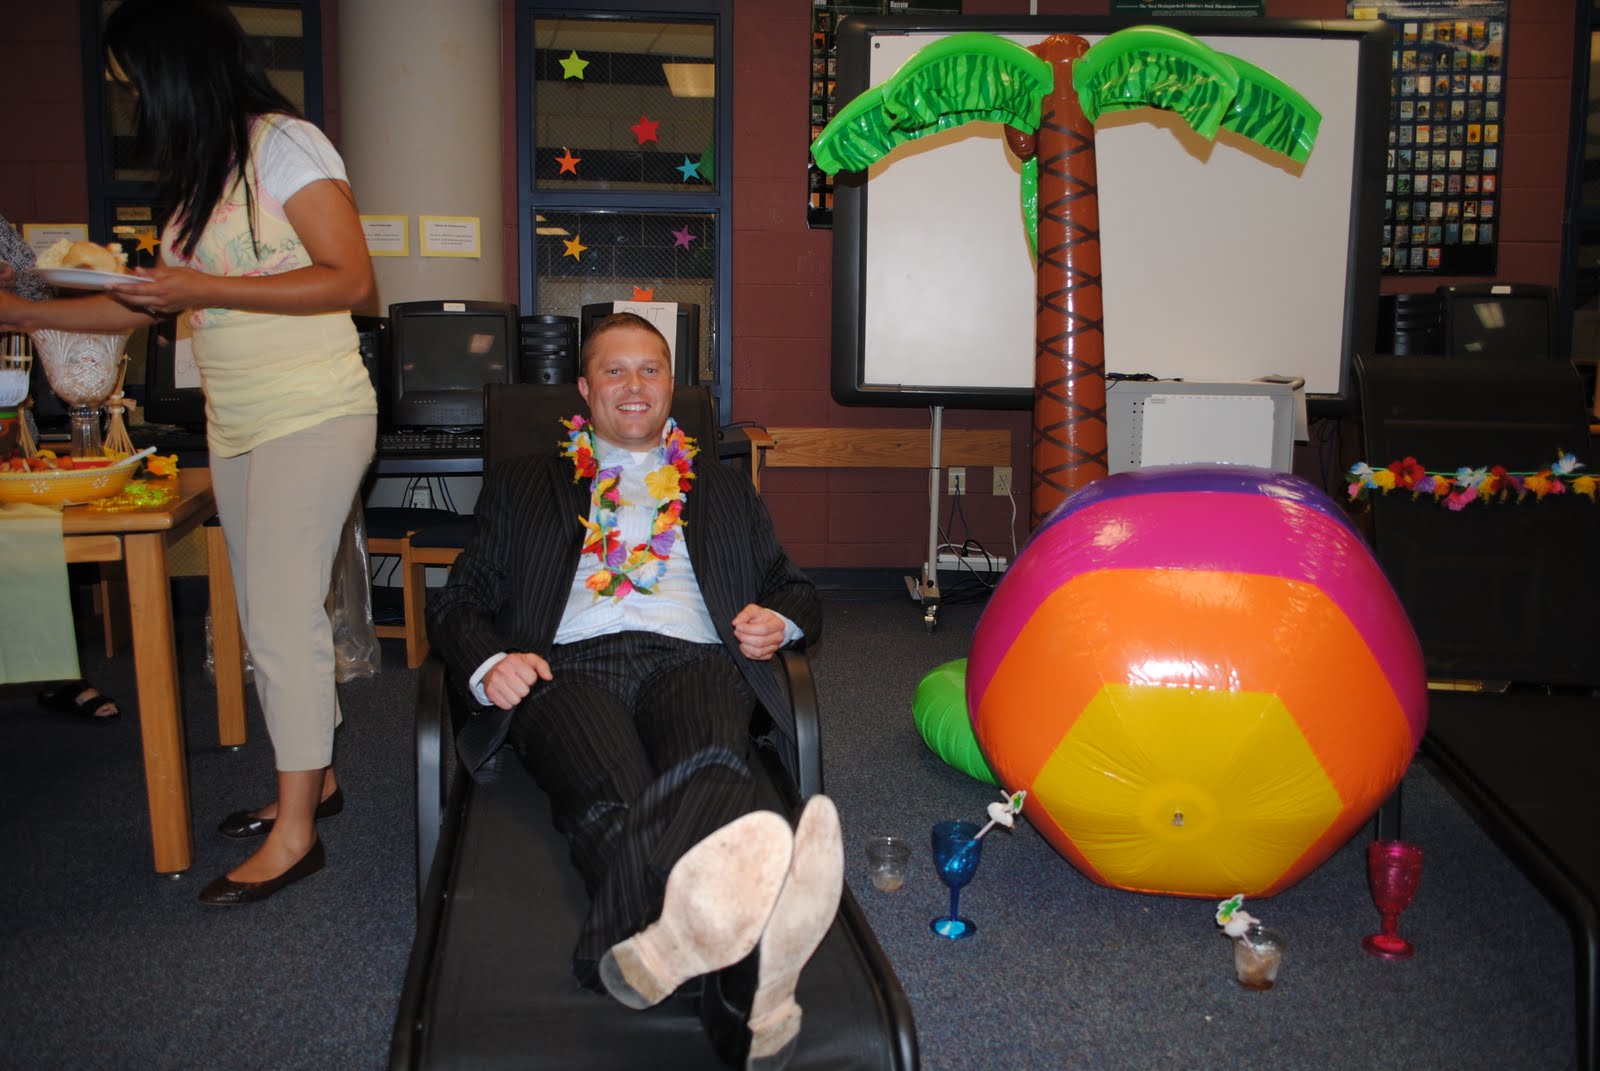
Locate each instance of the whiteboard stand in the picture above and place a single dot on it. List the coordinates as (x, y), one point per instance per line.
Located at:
(927, 590)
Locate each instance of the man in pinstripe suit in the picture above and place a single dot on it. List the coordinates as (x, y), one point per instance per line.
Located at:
(622, 654)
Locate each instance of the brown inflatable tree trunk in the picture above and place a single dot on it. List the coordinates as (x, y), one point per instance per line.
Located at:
(1069, 362)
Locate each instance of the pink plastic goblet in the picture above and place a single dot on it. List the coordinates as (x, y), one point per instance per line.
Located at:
(1394, 868)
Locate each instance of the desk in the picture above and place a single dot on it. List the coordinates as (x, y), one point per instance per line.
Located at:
(139, 538)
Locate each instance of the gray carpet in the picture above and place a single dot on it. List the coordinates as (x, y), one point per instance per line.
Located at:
(105, 964)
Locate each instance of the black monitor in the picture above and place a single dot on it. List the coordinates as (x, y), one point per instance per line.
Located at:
(172, 392)
(440, 356)
(685, 340)
(1498, 320)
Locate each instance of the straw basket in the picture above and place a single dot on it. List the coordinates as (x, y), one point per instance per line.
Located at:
(62, 487)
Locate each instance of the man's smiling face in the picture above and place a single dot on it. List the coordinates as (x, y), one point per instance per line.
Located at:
(627, 381)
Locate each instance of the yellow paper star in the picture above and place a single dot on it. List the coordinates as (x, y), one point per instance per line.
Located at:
(148, 242)
(572, 66)
(575, 248)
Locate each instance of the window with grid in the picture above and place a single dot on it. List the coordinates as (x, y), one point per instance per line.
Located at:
(623, 191)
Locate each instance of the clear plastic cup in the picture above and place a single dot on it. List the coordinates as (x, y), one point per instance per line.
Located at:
(1257, 955)
(888, 859)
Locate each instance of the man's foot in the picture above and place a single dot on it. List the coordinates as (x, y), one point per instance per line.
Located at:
(81, 698)
(718, 899)
(750, 1012)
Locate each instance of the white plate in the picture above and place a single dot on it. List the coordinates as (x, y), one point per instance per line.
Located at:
(86, 278)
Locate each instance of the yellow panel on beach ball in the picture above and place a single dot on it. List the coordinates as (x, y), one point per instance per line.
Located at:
(1186, 791)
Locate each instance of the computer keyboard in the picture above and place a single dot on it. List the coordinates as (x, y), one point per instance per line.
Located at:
(430, 442)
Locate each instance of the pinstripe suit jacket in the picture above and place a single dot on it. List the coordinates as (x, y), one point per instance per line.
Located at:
(510, 585)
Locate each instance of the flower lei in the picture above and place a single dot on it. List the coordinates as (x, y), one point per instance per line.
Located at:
(620, 573)
(1466, 485)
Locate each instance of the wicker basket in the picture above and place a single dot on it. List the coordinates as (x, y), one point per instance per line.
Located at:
(63, 487)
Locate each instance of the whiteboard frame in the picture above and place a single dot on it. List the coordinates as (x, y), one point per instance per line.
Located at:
(851, 373)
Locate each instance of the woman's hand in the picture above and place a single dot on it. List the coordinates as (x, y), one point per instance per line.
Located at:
(167, 291)
(8, 277)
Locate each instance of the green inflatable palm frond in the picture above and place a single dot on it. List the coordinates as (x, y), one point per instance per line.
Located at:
(1271, 113)
(963, 78)
(1156, 67)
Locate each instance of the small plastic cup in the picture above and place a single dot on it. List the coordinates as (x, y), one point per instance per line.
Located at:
(1257, 955)
(888, 859)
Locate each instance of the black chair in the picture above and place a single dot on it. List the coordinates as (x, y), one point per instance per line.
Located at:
(1504, 594)
(1495, 592)
(489, 984)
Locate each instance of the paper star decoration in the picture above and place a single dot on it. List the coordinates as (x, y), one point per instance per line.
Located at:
(148, 242)
(641, 294)
(682, 238)
(575, 247)
(568, 161)
(572, 66)
(645, 129)
(688, 169)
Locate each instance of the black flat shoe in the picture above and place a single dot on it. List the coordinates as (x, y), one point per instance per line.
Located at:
(65, 699)
(225, 892)
(242, 824)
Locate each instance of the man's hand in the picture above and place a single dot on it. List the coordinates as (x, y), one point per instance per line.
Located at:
(513, 677)
(759, 632)
(8, 277)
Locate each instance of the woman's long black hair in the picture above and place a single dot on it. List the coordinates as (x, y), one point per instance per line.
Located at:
(199, 85)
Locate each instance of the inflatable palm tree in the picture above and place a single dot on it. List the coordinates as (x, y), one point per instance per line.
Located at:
(1049, 96)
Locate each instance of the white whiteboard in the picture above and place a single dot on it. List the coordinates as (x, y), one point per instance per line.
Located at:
(1220, 261)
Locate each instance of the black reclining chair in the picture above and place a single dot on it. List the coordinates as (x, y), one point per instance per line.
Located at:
(1504, 594)
(489, 984)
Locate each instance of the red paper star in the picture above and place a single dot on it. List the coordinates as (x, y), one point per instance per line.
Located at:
(641, 294)
(645, 129)
(568, 161)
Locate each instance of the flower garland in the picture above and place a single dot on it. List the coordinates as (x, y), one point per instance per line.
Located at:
(620, 573)
(1459, 489)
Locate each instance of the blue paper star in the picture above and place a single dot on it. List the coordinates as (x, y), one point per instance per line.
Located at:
(689, 169)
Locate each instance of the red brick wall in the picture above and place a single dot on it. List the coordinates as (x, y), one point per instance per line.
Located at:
(782, 294)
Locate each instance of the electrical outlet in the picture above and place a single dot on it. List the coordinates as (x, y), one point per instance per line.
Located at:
(421, 497)
(957, 481)
(1002, 479)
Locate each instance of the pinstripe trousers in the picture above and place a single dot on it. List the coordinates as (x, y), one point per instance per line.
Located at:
(641, 741)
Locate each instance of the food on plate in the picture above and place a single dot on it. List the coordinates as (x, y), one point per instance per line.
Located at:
(69, 254)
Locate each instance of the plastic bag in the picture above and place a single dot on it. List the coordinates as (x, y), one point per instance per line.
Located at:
(355, 638)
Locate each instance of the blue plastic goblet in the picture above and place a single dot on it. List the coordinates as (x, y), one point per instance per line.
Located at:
(955, 855)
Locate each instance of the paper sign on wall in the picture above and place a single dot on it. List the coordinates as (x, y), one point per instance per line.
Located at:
(41, 236)
(387, 236)
(449, 236)
(663, 315)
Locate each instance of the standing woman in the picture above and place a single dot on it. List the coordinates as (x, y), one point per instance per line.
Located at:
(263, 252)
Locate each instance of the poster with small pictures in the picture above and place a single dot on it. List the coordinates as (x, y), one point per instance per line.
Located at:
(1446, 126)
(824, 102)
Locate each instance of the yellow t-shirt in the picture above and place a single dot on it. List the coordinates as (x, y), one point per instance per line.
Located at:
(266, 375)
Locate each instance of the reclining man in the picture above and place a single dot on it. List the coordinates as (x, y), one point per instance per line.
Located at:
(615, 608)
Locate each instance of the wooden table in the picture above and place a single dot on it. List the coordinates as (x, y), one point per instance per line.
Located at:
(139, 539)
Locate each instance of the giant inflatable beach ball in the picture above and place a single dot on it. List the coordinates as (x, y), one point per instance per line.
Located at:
(1202, 678)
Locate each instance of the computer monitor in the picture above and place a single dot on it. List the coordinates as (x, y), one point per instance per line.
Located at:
(440, 355)
(172, 393)
(685, 340)
(1498, 320)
